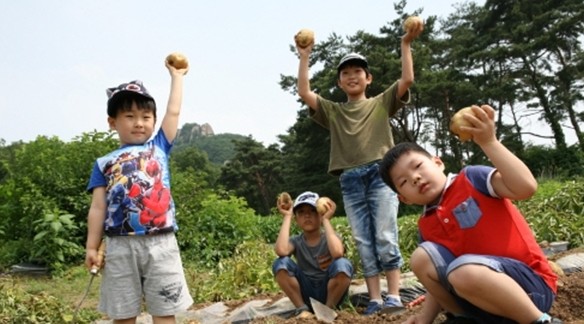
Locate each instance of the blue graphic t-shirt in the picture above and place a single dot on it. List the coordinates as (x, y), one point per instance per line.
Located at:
(137, 182)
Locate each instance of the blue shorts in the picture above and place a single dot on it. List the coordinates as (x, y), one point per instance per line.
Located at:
(316, 289)
(539, 292)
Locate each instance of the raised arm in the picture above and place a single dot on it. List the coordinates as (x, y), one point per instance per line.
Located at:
(335, 245)
(407, 76)
(283, 247)
(304, 91)
(513, 178)
(170, 121)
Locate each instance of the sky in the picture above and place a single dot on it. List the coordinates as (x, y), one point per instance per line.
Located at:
(57, 60)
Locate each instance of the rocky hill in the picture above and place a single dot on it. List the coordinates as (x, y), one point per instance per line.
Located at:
(219, 147)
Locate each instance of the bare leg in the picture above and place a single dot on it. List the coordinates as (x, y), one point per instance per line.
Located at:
(373, 287)
(337, 286)
(494, 292)
(424, 269)
(290, 287)
(393, 277)
(125, 321)
(163, 319)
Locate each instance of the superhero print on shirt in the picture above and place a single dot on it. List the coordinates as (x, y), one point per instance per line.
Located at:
(138, 200)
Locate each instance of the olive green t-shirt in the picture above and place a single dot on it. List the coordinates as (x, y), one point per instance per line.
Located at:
(360, 130)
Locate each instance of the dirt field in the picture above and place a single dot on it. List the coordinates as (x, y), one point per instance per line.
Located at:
(568, 306)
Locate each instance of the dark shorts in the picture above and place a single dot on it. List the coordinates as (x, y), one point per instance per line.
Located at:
(539, 292)
(316, 289)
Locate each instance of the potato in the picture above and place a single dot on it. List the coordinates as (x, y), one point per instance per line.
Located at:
(458, 121)
(556, 268)
(284, 200)
(177, 60)
(411, 21)
(322, 205)
(304, 38)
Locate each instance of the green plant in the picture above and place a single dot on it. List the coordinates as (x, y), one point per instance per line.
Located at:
(19, 306)
(408, 238)
(556, 212)
(269, 226)
(53, 244)
(246, 273)
(211, 233)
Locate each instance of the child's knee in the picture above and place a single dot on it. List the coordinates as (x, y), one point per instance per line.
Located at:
(282, 263)
(341, 265)
(419, 260)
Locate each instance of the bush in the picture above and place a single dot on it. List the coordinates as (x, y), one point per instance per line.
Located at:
(212, 233)
(556, 212)
(53, 243)
(270, 226)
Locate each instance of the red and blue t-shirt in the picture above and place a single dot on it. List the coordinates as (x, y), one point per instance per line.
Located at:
(137, 184)
(471, 219)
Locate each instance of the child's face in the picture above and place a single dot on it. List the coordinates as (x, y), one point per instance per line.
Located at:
(353, 80)
(418, 178)
(307, 218)
(134, 126)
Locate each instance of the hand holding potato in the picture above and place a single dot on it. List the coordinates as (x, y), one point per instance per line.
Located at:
(459, 126)
(325, 207)
(284, 203)
(413, 26)
(178, 61)
(476, 123)
(304, 38)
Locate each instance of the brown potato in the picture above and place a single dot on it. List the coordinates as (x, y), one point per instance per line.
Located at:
(178, 60)
(411, 22)
(457, 121)
(322, 205)
(556, 268)
(284, 200)
(304, 38)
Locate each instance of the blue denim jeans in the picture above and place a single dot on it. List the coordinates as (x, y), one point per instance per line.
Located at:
(316, 289)
(371, 208)
(445, 262)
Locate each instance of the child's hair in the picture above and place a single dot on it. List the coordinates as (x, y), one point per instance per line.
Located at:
(124, 103)
(393, 155)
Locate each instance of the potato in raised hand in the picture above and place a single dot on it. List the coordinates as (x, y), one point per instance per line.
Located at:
(322, 205)
(284, 201)
(177, 60)
(412, 21)
(304, 38)
(457, 121)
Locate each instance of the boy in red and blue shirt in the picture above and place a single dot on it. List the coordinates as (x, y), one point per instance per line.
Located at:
(478, 258)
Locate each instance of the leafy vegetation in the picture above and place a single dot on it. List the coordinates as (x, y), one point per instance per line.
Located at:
(20, 306)
(242, 268)
(556, 212)
(523, 58)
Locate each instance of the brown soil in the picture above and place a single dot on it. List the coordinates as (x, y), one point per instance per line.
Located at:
(568, 306)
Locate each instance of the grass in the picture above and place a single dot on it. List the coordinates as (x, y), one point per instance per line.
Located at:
(69, 288)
